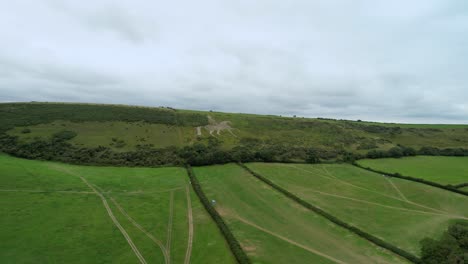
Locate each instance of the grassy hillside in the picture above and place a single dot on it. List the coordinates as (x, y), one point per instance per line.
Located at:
(118, 129)
(397, 211)
(49, 214)
(273, 229)
(444, 170)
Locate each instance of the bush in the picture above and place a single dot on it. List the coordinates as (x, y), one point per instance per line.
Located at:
(26, 131)
(64, 135)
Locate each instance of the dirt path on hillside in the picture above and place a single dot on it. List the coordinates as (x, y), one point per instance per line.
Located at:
(314, 251)
(396, 188)
(150, 236)
(169, 226)
(188, 252)
(369, 190)
(387, 206)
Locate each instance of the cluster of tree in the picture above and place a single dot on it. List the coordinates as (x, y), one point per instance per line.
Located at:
(234, 245)
(451, 248)
(395, 152)
(58, 148)
(402, 151)
(335, 220)
(431, 151)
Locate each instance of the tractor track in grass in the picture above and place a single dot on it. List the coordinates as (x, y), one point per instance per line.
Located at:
(169, 226)
(386, 206)
(292, 242)
(154, 239)
(369, 190)
(112, 216)
(188, 252)
(116, 222)
(397, 189)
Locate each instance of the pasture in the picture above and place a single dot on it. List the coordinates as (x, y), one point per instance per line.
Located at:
(398, 211)
(273, 229)
(58, 213)
(443, 170)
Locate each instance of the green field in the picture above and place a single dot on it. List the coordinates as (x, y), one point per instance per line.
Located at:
(273, 229)
(398, 211)
(55, 213)
(444, 170)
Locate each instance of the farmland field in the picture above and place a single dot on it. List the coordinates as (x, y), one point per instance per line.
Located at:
(56, 213)
(398, 211)
(444, 170)
(273, 229)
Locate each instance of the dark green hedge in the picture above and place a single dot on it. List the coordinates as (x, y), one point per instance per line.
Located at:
(419, 180)
(234, 245)
(359, 232)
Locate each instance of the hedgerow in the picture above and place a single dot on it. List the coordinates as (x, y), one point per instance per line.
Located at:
(234, 245)
(419, 180)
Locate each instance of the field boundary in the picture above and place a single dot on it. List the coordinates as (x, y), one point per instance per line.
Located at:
(449, 188)
(188, 252)
(461, 185)
(373, 239)
(234, 245)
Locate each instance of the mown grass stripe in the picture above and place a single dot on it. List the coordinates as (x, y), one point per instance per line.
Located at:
(375, 240)
(234, 245)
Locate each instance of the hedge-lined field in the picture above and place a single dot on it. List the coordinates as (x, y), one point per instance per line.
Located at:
(48, 214)
(273, 229)
(443, 170)
(398, 211)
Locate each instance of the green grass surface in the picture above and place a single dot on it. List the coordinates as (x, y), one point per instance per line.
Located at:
(49, 215)
(93, 134)
(444, 170)
(273, 229)
(398, 211)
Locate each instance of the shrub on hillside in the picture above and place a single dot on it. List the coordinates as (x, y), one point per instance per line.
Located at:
(64, 135)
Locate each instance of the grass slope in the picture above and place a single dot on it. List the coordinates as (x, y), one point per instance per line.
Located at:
(444, 170)
(48, 215)
(162, 127)
(273, 229)
(397, 211)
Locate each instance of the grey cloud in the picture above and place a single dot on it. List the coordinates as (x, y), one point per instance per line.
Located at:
(378, 60)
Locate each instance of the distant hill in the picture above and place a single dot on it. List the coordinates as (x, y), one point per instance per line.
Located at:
(133, 135)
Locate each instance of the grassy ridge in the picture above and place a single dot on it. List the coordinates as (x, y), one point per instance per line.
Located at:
(444, 170)
(397, 211)
(274, 229)
(161, 127)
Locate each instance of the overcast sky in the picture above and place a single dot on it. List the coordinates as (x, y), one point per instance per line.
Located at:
(398, 60)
